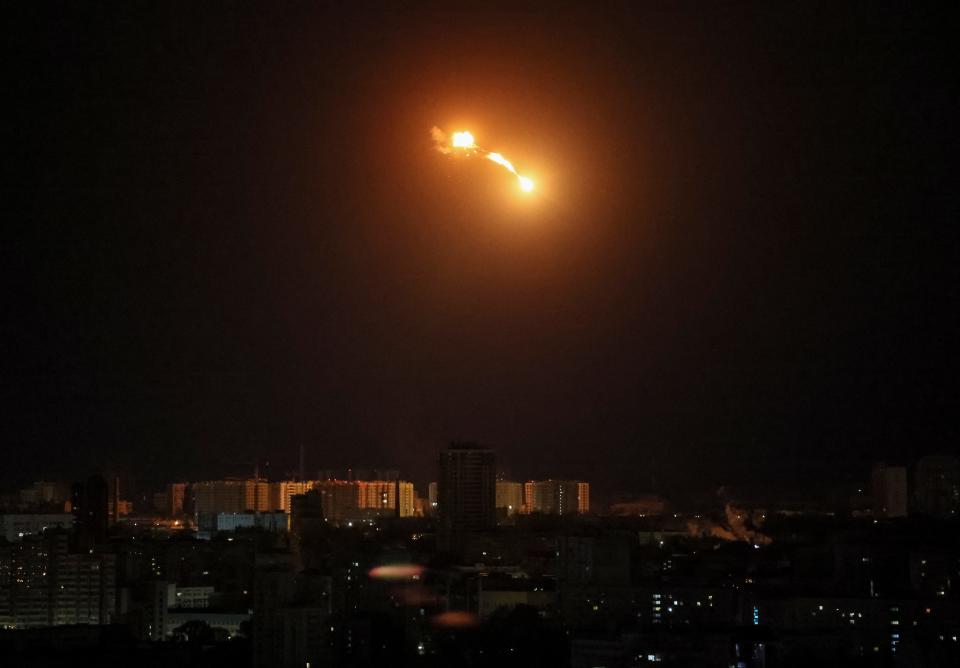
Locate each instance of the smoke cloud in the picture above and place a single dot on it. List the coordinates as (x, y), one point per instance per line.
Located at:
(739, 525)
(439, 138)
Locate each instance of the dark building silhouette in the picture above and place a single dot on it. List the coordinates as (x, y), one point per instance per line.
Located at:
(115, 500)
(90, 501)
(466, 492)
(937, 485)
(306, 514)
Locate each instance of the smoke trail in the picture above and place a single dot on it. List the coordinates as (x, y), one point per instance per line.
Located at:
(439, 138)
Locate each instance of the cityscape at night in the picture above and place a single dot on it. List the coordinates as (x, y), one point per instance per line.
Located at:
(465, 334)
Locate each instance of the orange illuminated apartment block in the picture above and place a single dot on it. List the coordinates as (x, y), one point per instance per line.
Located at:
(380, 496)
(556, 497)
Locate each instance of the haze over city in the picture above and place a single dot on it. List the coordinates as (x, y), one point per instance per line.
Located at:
(647, 267)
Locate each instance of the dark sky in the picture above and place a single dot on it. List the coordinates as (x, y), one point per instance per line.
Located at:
(227, 233)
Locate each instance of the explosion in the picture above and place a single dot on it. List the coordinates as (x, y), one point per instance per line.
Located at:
(464, 141)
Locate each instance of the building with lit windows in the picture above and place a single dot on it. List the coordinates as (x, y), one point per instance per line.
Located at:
(209, 523)
(43, 583)
(380, 496)
(509, 497)
(281, 492)
(556, 497)
(432, 495)
(231, 495)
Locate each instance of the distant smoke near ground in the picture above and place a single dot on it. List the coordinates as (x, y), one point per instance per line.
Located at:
(739, 525)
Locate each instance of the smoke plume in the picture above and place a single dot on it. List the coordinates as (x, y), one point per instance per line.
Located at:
(440, 140)
(739, 525)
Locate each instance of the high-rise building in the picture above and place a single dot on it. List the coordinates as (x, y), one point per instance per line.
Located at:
(90, 501)
(306, 513)
(115, 500)
(161, 502)
(14, 526)
(225, 496)
(889, 490)
(556, 497)
(380, 497)
(282, 491)
(43, 493)
(509, 497)
(43, 583)
(231, 495)
(937, 485)
(209, 524)
(406, 498)
(583, 497)
(121, 508)
(176, 493)
(256, 494)
(432, 495)
(339, 499)
(466, 491)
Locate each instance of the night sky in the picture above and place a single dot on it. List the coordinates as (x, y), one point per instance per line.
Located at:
(228, 233)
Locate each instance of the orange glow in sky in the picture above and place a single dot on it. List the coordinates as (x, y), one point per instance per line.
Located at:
(463, 139)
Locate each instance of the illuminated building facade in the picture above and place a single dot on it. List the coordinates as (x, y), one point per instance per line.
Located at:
(509, 497)
(176, 495)
(380, 496)
(556, 497)
(583, 497)
(283, 490)
(231, 495)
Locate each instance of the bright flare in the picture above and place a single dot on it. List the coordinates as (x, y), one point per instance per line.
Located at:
(500, 160)
(463, 140)
(526, 183)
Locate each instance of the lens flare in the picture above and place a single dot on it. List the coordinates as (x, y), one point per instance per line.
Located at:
(397, 572)
(455, 619)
